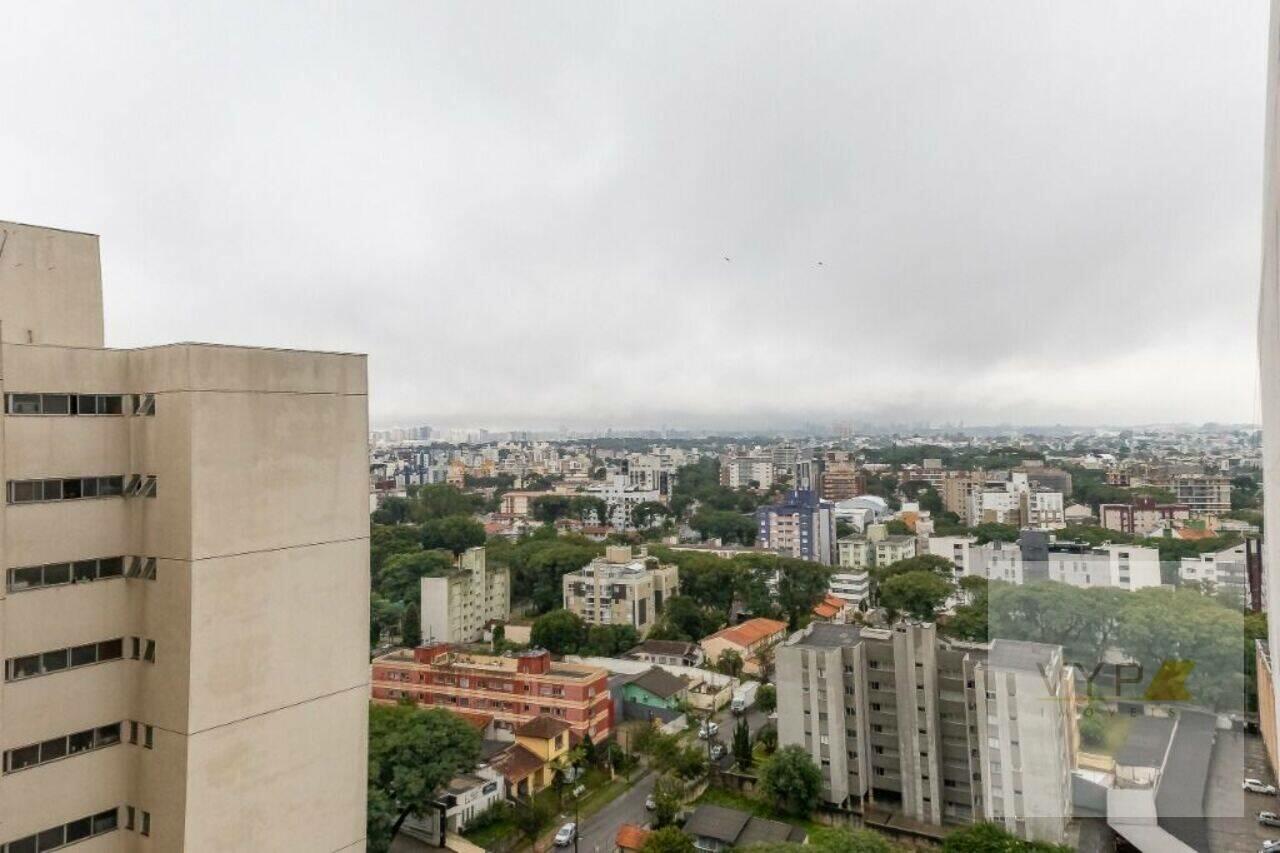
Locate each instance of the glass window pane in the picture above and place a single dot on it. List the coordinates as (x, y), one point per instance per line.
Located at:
(25, 578)
(26, 667)
(22, 845)
(51, 839)
(87, 404)
(111, 567)
(53, 749)
(55, 404)
(55, 660)
(24, 491)
(27, 756)
(78, 830)
(89, 487)
(104, 822)
(81, 741)
(110, 485)
(84, 655)
(150, 654)
(24, 404)
(111, 649)
(86, 570)
(56, 573)
(71, 489)
(110, 404)
(51, 490)
(108, 735)
(149, 740)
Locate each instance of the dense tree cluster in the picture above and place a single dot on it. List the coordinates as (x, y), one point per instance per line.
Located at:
(563, 632)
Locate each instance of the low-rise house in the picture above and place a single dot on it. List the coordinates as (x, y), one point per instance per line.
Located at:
(656, 688)
(529, 765)
(832, 608)
(668, 653)
(466, 797)
(630, 838)
(747, 639)
(716, 828)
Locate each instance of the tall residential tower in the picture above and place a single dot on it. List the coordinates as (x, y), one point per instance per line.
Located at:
(184, 616)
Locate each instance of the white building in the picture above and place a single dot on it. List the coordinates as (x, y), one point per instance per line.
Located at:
(1017, 502)
(456, 607)
(620, 498)
(1127, 567)
(740, 472)
(856, 555)
(1223, 571)
(862, 511)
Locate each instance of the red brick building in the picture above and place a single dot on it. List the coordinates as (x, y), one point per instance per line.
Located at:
(511, 689)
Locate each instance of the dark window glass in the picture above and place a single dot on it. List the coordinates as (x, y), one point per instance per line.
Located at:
(53, 749)
(27, 756)
(108, 735)
(111, 567)
(24, 404)
(81, 741)
(135, 645)
(51, 490)
(84, 655)
(87, 404)
(86, 570)
(78, 830)
(56, 573)
(51, 839)
(24, 491)
(111, 649)
(104, 822)
(55, 404)
(25, 578)
(110, 404)
(71, 489)
(149, 741)
(150, 654)
(146, 823)
(22, 845)
(110, 485)
(55, 660)
(25, 667)
(89, 487)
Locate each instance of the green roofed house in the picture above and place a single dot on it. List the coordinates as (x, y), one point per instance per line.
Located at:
(655, 688)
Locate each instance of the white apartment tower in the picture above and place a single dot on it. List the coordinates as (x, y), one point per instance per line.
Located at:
(183, 621)
(457, 607)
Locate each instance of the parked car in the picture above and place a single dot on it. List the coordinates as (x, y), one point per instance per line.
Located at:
(650, 803)
(1269, 847)
(1258, 786)
(708, 730)
(1268, 818)
(566, 835)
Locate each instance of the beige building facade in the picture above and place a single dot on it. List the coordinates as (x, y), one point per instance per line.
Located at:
(184, 537)
(457, 607)
(621, 588)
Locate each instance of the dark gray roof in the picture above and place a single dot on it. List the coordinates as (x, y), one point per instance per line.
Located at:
(1147, 743)
(831, 635)
(718, 822)
(1020, 655)
(1181, 795)
(664, 647)
(761, 830)
(659, 682)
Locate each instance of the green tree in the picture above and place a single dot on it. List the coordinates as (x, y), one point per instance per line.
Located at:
(384, 617)
(560, 631)
(393, 510)
(990, 838)
(439, 500)
(897, 527)
(1093, 731)
(531, 816)
(683, 619)
(792, 781)
(767, 737)
(832, 840)
(668, 839)
(730, 663)
(411, 626)
(917, 593)
(726, 525)
(991, 531)
(412, 753)
(549, 508)
(385, 542)
(668, 797)
(609, 640)
(400, 578)
(454, 533)
(742, 744)
(767, 698)
(648, 512)
(589, 509)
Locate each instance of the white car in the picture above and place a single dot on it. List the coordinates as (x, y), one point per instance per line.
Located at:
(1268, 818)
(566, 835)
(650, 803)
(717, 750)
(1258, 786)
(1269, 847)
(708, 729)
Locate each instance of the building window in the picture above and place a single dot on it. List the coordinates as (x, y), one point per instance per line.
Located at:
(69, 833)
(64, 489)
(60, 747)
(144, 404)
(64, 404)
(45, 663)
(60, 574)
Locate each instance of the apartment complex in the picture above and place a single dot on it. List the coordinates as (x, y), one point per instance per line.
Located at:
(457, 607)
(804, 527)
(621, 497)
(1017, 502)
(1037, 556)
(182, 525)
(1143, 517)
(1205, 494)
(621, 588)
(1224, 571)
(746, 471)
(910, 721)
(858, 554)
(512, 689)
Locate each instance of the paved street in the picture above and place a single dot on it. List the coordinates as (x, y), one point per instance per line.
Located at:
(599, 830)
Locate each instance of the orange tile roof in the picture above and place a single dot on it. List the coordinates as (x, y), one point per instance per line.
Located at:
(631, 837)
(751, 631)
(475, 719)
(828, 607)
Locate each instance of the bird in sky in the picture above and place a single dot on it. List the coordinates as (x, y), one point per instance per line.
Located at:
(726, 259)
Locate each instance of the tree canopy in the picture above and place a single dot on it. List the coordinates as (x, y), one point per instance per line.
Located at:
(792, 781)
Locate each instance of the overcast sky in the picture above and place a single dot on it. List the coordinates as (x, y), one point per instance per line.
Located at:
(1025, 212)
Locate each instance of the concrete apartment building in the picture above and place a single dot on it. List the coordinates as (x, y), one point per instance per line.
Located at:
(746, 471)
(621, 588)
(1142, 517)
(183, 524)
(510, 689)
(913, 722)
(1036, 556)
(804, 527)
(1018, 502)
(1205, 494)
(1224, 571)
(457, 607)
(857, 555)
(620, 498)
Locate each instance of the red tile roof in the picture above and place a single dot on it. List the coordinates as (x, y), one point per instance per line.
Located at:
(749, 632)
(543, 726)
(828, 607)
(631, 837)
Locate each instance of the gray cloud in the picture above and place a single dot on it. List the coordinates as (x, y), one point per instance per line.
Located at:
(1025, 211)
